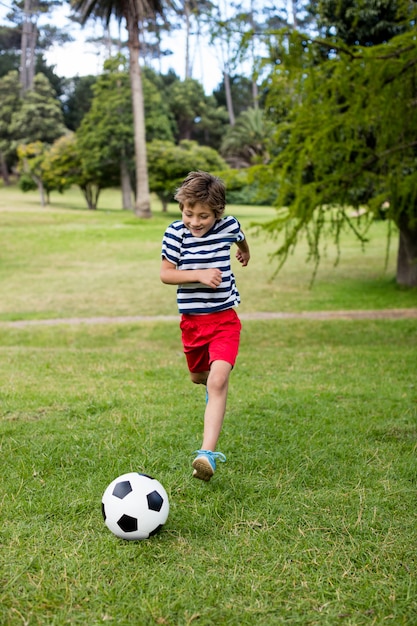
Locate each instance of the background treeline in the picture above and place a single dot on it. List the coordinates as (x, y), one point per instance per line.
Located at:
(315, 112)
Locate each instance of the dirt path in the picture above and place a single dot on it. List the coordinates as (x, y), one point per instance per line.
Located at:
(389, 314)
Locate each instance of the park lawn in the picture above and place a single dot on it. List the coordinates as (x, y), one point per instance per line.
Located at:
(312, 520)
(65, 261)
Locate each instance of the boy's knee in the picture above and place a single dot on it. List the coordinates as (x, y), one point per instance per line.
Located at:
(218, 383)
(219, 378)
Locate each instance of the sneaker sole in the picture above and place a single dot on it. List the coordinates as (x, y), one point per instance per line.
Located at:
(202, 469)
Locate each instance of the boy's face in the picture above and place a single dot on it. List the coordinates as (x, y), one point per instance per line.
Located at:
(198, 218)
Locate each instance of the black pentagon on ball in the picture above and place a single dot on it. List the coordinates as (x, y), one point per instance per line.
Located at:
(122, 489)
(128, 524)
(155, 501)
(103, 511)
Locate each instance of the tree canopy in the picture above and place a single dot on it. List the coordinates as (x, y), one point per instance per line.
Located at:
(348, 141)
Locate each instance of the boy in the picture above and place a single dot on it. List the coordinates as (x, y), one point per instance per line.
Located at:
(196, 257)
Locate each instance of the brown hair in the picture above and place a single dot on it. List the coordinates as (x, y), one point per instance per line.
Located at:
(204, 188)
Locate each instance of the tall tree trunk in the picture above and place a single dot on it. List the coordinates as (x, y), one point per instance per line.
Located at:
(125, 185)
(91, 193)
(255, 93)
(187, 39)
(143, 200)
(26, 28)
(407, 258)
(4, 170)
(41, 190)
(294, 14)
(28, 46)
(32, 55)
(229, 101)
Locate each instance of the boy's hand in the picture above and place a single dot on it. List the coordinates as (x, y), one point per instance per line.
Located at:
(211, 278)
(243, 257)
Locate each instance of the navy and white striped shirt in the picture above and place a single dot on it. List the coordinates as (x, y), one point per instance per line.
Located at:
(212, 250)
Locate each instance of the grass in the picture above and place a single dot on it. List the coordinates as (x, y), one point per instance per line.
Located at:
(62, 262)
(311, 521)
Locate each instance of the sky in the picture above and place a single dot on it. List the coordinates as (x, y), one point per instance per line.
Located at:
(82, 58)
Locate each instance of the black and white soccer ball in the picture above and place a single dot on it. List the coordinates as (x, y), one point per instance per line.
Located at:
(135, 506)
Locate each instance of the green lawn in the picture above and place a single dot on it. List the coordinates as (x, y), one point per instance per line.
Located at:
(313, 518)
(64, 262)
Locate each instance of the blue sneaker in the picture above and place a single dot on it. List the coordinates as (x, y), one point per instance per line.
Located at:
(205, 463)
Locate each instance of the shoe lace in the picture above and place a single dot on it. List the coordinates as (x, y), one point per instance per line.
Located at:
(219, 456)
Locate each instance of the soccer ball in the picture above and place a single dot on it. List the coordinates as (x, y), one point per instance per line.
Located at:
(135, 506)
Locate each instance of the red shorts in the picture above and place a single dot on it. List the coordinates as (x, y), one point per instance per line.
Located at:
(210, 337)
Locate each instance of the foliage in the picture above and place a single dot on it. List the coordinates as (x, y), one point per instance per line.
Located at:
(62, 164)
(25, 38)
(78, 95)
(169, 165)
(247, 141)
(50, 168)
(250, 186)
(10, 103)
(65, 163)
(241, 92)
(196, 115)
(9, 62)
(31, 158)
(39, 118)
(157, 114)
(105, 135)
(362, 23)
(340, 145)
(212, 125)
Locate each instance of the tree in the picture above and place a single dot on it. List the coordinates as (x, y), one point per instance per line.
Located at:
(9, 45)
(65, 164)
(78, 95)
(105, 135)
(360, 23)
(187, 105)
(169, 164)
(31, 158)
(197, 116)
(158, 116)
(10, 103)
(39, 118)
(345, 145)
(29, 38)
(246, 143)
(241, 93)
(133, 12)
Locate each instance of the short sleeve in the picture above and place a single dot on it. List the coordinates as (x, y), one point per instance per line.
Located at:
(171, 242)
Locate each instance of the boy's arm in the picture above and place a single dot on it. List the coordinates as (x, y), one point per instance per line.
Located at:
(170, 275)
(243, 254)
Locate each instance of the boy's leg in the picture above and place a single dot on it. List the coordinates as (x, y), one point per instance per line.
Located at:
(217, 386)
(199, 378)
(211, 353)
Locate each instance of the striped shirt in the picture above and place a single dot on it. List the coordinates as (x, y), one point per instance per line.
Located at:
(212, 250)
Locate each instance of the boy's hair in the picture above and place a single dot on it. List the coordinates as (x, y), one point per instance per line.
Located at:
(205, 188)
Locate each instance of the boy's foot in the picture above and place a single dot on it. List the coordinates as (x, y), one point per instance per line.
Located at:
(205, 463)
